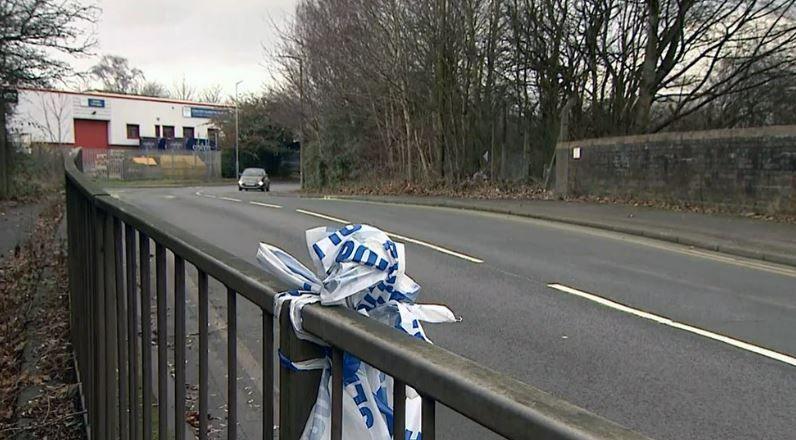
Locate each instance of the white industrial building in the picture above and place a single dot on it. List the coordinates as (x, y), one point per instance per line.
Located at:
(108, 120)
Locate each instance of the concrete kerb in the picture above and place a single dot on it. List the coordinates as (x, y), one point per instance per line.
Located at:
(737, 251)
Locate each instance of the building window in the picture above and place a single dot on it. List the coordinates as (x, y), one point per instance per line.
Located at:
(168, 131)
(187, 132)
(157, 131)
(133, 131)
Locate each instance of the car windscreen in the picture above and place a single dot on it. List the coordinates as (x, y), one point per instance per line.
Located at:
(251, 172)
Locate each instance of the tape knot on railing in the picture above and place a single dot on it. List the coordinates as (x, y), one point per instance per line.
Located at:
(361, 269)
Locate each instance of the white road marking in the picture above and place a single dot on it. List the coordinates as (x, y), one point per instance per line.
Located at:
(436, 248)
(667, 321)
(201, 194)
(326, 217)
(230, 199)
(401, 237)
(740, 261)
(683, 249)
(267, 205)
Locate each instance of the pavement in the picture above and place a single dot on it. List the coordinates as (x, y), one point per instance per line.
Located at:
(667, 339)
(16, 223)
(734, 235)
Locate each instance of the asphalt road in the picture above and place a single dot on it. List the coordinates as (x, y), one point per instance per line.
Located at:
(601, 337)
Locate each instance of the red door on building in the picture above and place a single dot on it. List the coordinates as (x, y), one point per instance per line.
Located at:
(91, 134)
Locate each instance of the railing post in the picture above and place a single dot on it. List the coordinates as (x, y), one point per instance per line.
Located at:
(146, 337)
(99, 397)
(121, 331)
(268, 376)
(232, 364)
(110, 366)
(132, 335)
(297, 389)
(179, 347)
(161, 294)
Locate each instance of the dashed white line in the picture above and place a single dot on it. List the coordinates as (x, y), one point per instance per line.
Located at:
(323, 216)
(201, 194)
(667, 321)
(401, 237)
(267, 205)
(437, 248)
(230, 199)
(643, 241)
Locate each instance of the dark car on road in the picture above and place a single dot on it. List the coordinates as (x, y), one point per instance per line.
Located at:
(254, 178)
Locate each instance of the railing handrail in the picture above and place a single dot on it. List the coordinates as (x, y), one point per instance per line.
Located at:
(494, 400)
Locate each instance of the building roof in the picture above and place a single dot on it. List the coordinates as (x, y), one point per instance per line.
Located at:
(130, 97)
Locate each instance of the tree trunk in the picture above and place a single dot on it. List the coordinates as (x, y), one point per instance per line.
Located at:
(503, 142)
(5, 155)
(648, 73)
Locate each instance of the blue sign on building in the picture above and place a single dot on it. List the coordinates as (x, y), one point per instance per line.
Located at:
(208, 113)
(93, 102)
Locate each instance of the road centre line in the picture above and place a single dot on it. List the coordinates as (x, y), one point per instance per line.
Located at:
(684, 249)
(671, 323)
(436, 248)
(230, 199)
(323, 216)
(267, 205)
(401, 237)
(209, 196)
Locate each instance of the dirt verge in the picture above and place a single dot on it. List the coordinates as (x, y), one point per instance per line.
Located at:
(39, 395)
(483, 189)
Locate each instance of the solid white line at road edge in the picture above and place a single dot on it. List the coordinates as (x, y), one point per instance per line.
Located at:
(267, 205)
(666, 321)
(401, 237)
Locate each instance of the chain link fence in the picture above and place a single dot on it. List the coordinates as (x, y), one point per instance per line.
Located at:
(130, 165)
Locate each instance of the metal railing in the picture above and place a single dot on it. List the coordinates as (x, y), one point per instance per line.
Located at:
(109, 267)
(136, 164)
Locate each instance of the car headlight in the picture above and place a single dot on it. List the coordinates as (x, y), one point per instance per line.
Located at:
(260, 183)
(240, 182)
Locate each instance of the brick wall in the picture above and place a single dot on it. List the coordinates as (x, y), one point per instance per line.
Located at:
(747, 169)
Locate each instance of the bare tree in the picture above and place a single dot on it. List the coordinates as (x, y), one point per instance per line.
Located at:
(213, 94)
(153, 88)
(33, 35)
(422, 89)
(33, 31)
(57, 124)
(117, 75)
(182, 90)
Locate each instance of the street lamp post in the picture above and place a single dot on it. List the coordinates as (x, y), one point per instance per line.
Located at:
(237, 131)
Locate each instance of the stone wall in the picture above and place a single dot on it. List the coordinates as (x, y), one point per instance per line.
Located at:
(745, 169)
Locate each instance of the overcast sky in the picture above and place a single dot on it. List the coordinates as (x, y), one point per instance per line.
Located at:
(207, 41)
